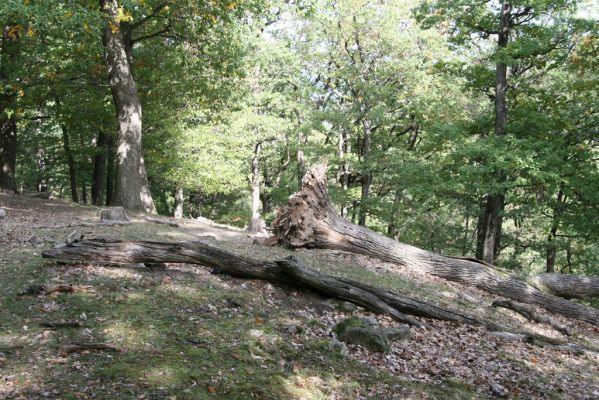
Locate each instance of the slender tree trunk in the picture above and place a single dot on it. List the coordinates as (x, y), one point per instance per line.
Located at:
(8, 123)
(178, 214)
(256, 223)
(66, 142)
(99, 174)
(110, 169)
(551, 246)
(40, 156)
(344, 148)
(83, 191)
(489, 237)
(132, 187)
(301, 162)
(392, 229)
(366, 174)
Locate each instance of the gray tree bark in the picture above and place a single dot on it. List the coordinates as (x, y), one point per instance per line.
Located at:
(256, 223)
(132, 188)
(178, 203)
(310, 220)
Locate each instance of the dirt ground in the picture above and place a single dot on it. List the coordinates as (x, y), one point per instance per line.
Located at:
(184, 332)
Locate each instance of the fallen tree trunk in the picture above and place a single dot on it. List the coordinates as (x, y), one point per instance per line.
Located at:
(290, 271)
(310, 221)
(568, 286)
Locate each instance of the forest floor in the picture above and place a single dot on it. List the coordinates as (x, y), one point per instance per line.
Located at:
(186, 333)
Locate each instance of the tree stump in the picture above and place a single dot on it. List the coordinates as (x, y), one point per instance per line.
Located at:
(113, 214)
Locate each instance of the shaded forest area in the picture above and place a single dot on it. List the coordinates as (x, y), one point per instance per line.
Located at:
(454, 139)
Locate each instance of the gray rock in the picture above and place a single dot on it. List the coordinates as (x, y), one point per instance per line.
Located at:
(397, 332)
(346, 306)
(2, 213)
(362, 331)
(338, 347)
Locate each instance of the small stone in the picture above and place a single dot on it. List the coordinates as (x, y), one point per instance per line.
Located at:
(362, 331)
(397, 333)
(293, 329)
(499, 390)
(338, 347)
(257, 333)
(2, 213)
(347, 307)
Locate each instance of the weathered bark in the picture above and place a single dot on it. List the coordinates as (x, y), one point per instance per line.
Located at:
(531, 314)
(132, 188)
(342, 289)
(66, 142)
(569, 286)
(8, 125)
(289, 271)
(310, 220)
(489, 238)
(99, 174)
(113, 214)
(178, 214)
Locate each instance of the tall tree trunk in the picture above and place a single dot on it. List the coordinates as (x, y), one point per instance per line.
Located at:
(310, 220)
(132, 187)
(99, 174)
(392, 229)
(344, 148)
(178, 214)
(40, 157)
(83, 191)
(489, 237)
(366, 179)
(551, 246)
(301, 162)
(110, 169)
(66, 142)
(8, 123)
(256, 223)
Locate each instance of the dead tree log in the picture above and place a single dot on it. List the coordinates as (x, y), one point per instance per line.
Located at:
(568, 286)
(311, 221)
(290, 272)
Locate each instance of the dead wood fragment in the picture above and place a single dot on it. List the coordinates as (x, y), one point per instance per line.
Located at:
(38, 290)
(162, 221)
(79, 347)
(61, 324)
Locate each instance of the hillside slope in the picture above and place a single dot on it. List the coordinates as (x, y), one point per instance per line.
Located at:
(184, 332)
